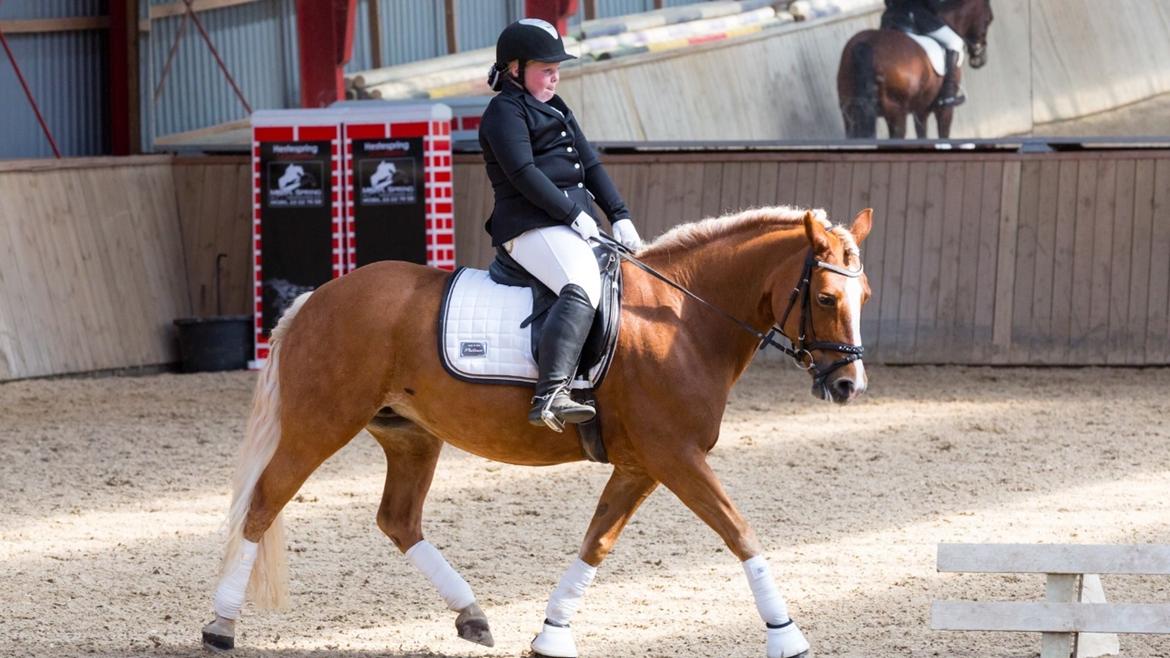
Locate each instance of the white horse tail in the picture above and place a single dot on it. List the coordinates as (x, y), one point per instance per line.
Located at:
(268, 585)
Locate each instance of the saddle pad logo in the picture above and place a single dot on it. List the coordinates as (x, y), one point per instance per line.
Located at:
(474, 349)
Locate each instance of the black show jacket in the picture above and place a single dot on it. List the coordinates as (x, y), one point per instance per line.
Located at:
(912, 15)
(542, 169)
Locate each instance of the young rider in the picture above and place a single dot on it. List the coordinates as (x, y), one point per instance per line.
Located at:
(921, 17)
(544, 174)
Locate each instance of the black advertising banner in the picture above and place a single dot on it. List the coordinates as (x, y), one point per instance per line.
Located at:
(389, 206)
(296, 225)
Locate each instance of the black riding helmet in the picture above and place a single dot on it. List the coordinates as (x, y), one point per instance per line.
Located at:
(528, 40)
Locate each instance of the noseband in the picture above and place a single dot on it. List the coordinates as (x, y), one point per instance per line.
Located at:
(802, 348)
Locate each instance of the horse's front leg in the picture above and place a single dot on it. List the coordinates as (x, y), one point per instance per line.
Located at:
(624, 492)
(691, 479)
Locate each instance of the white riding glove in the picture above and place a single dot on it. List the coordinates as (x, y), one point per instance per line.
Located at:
(624, 231)
(585, 226)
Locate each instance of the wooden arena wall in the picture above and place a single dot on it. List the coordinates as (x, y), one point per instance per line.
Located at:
(1048, 61)
(91, 265)
(974, 259)
(98, 256)
(1054, 259)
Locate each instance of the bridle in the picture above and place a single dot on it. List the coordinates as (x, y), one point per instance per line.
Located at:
(802, 348)
(805, 344)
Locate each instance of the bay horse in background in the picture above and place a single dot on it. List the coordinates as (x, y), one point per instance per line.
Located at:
(362, 352)
(886, 74)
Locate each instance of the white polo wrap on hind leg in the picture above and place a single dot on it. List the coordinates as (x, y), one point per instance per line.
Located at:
(454, 590)
(229, 596)
(769, 601)
(566, 598)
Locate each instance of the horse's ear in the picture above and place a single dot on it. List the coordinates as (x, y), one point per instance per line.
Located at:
(862, 223)
(818, 236)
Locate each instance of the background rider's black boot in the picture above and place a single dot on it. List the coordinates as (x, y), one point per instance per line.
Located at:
(950, 94)
(565, 330)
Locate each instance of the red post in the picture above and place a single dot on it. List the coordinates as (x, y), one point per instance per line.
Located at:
(123, 63)
(556, 12)
(325, 30)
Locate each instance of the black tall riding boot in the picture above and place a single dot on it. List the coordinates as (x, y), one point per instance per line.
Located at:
(565, 330)
(950, 94)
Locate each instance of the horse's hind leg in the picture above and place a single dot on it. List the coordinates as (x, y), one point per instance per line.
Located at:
(624, 492)
(411, 455)
(897, 125)
(920, 124)
(303, 447)
(943, 118)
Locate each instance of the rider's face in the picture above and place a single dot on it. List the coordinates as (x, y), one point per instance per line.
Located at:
(540, 79)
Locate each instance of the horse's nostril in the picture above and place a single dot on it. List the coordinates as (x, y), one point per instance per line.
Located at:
(843, 387)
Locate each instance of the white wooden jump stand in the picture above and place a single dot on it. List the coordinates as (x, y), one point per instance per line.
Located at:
(1074, 601)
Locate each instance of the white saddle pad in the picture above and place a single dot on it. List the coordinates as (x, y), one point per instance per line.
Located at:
(934, 52)
(482, 340)
(482, 337)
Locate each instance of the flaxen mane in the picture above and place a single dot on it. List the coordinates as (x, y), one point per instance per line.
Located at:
(686, 236)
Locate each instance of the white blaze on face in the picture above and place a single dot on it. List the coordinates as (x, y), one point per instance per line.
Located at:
(853, 304)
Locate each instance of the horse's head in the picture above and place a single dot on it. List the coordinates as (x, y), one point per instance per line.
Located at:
(972, 20)
(822, 316)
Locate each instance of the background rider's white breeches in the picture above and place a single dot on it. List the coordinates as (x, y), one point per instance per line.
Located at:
(454, 590)
(558, 256)
(229, 596)
(949, 40)
(769, 601)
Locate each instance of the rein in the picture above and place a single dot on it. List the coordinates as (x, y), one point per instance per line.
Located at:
(799, 350)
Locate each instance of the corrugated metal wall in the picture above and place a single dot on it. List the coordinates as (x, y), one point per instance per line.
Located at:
(257, 41)
(67, 77)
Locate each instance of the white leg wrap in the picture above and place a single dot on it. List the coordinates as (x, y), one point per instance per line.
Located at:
(229, 596)
(566, 598)
(773, 609)
(454, 590)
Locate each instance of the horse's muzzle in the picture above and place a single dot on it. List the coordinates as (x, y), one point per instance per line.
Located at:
(978, 57)
(840, 389)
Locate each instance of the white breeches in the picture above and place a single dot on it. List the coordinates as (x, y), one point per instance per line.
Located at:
(558, 256)
(949, 40)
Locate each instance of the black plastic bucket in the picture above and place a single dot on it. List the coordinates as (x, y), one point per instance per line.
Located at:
(213, 344)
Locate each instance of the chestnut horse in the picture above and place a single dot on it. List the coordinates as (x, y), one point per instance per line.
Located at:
(362, 352)
(885, 73)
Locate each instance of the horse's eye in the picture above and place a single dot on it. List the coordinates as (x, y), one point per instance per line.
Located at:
(826, 300)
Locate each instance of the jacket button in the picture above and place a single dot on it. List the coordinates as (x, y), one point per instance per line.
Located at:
(580, 184)
(576, 165)
(569, 149)
(563, 133)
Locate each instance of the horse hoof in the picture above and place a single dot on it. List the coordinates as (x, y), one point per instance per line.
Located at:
(218, 643)
(472, 626)
(219, 635)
